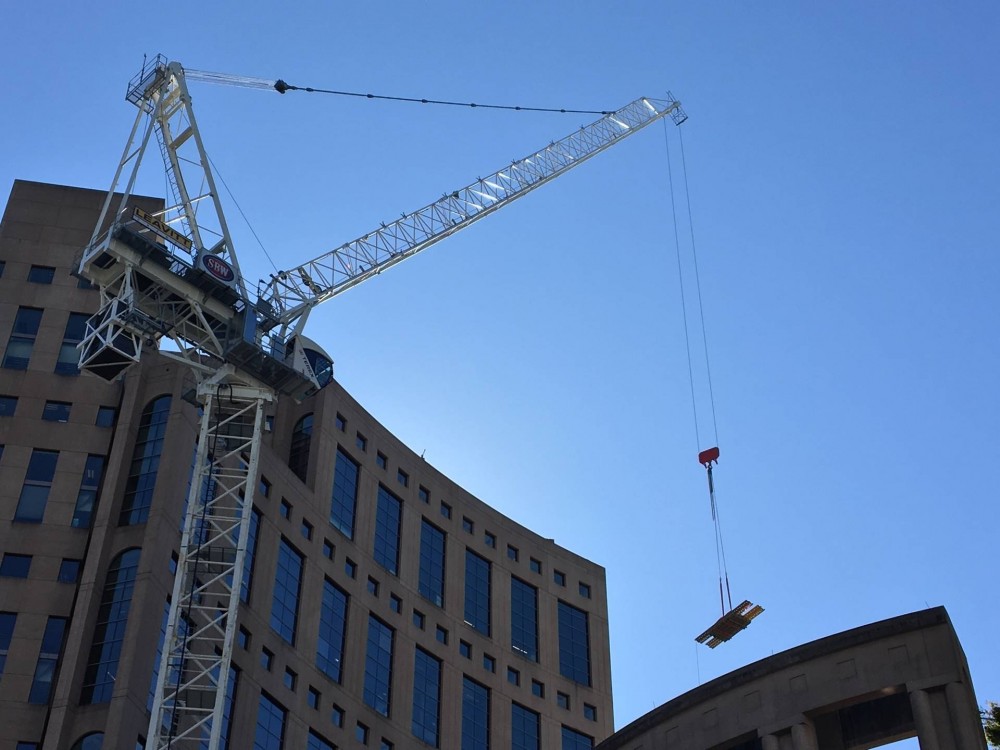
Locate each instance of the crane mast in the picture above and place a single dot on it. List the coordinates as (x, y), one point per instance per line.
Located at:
(173, 275)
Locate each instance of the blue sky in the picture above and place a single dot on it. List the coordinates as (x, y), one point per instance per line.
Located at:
(842, 162)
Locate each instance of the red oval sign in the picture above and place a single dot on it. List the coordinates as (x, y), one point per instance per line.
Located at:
(218, 268)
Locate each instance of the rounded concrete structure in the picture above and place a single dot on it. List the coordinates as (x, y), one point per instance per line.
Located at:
(862, 688)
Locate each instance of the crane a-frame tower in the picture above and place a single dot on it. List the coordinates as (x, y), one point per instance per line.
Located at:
(174, 275)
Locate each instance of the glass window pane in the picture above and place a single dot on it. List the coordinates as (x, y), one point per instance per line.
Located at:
(432, 550)
(345, 493)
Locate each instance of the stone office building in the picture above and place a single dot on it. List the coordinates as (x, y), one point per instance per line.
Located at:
(382, 605)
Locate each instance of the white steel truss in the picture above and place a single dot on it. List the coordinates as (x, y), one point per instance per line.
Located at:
(288, 296)
(174, 275)
(194, 668)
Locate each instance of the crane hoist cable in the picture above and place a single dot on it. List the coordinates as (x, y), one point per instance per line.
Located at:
(733, 619)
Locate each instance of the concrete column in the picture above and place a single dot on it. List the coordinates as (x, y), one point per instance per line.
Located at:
(920, 703)
(964, 718)
(804, 737)
(769, 742)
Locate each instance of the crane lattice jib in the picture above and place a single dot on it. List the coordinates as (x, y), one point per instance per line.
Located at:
(287, 297)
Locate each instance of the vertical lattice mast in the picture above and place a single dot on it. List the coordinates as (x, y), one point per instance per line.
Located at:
(194, 668)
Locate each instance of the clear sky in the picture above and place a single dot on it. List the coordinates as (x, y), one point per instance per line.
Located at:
(842, 162)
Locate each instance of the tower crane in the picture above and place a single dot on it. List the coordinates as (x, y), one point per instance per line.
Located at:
(173, 275)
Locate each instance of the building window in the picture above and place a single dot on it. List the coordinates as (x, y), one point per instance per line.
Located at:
(285, 509)
(573, 740)
(266, 658)
(432, 550)
(387, 518)
(109, 634)
(41, 274)
(524, 728)
(465, 649)
(489, 663)
(378, 666)
(227, 707)
(524, 618)
(536, 565)
(243, 638)
(22, 338)
(350, 568)
(345, 494)
(395, 603)
(467, 525)
(441, 634)
(246, 582)
(264, 487)
(306, 529)
(106, 416)
(537, 689)
(424, 494)
(151, 694)
(512, 553)
(589, 712)
(341, 423)
(290, 679)
(337, 716)
(426, 697)
(385, 744)
(402, 477)
(48, 658)
(361, 733)
(372, 586)
(315, 742)
(92, 741)
(328, 549)
(559, 578)
(145, 462)
(490, 540)
(477, 592)
(37, 483)
(69, 571)
(475, 716)
(574, 644)
(56, 411)
(8, 405)
(7, 622)
(513, 676)
(15, 566)
(361, 442)
(562, 700)
(69, 356)
(445, 510)
(86, 497)
(381, 460)
(332, 627)
(270, 731)
(287, 584)
(418, 619)
(585, 590)
(298, 453)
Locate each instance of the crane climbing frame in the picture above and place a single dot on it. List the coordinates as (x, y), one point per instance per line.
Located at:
(174, 276)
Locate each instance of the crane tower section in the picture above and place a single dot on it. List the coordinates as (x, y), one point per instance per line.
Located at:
(174, 276)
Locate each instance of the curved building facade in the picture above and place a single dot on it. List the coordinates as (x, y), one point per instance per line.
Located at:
(382, 605)
(862, 688)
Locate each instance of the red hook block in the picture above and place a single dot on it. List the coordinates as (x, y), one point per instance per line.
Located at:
(707, 457)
